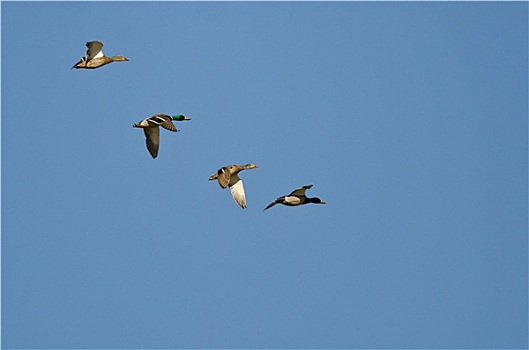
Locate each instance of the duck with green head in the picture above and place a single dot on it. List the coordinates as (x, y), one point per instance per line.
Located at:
(151, 129)
(94, 57)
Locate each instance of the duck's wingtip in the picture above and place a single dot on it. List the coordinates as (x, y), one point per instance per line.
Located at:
(269, 206)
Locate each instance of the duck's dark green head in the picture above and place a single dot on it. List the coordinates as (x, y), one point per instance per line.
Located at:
(180, 117)
(316, 200)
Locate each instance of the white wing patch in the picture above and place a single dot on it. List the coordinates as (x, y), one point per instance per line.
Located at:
(98, 55)
(237, 191)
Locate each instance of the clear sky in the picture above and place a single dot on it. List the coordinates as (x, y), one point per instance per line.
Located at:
(409, 118)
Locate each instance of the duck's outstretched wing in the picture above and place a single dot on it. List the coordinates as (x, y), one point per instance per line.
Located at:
(300, 191)
(223, 176)
(168, 125)
(165, 121)
(95, 50)
(272, 204)
(152, 139)
(237, 191)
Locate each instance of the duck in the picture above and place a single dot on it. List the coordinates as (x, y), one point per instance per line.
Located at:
(295, 198)
(151, 129)
(94, 57)
(227, 176)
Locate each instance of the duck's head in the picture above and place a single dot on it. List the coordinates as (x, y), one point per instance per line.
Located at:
(180, 117)
(250, 166)
(316, 200)
(119, 58)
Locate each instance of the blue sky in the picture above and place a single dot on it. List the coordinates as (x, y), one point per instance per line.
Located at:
(409, 118)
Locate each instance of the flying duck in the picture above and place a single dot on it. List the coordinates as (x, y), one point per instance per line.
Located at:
(151, 129)
(297, 197)
(228, 176)
(94, 57)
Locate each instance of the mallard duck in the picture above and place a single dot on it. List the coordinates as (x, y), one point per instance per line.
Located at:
(94, 57)
(297, 197)
(228, 176)
(152, 131)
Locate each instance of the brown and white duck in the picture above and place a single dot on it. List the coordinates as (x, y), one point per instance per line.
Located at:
(227, 176)
(94, 57)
